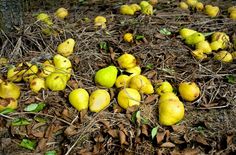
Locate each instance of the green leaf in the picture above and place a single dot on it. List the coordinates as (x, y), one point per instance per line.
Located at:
(154, 132)
(40, 119)
(7, 111)
(20, 122)
(28, 144)
(144, 120)
(231, 79)
(35, 107)
(149, 66)
(133, 117)
(208, 34)
(53, 152)
(139, 37)
(103, 45)
(164, 31)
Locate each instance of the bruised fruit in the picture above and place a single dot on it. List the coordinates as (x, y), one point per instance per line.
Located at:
(9, 90)
(126, 61)
(122, 81)
(36, 84)
(142, 84)
(128, 97)
(8, 103)
(106, 77)
(198, 54)
(56, 81)
(99, 100)
(223, 56)
(189, 91)
(79, 98)
(163, 88)
(204, 46)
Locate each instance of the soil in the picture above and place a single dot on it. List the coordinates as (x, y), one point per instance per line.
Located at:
(209, 124)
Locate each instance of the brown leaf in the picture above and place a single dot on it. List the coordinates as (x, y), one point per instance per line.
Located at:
(70, 131)
(189, 151)
(151, 74)
(41, 145)
(177, 139)
(117, 108)
(167, 135)
(73, 84)
(150, 99)
(113, 133)
(65, 113)
(160, 137)
(122, 138)
(112, 53)
(159, 36)
(168, 145)
(179, 128)
(132, 109)
(201, 139)
(38, 134)
(145, 130)
(112, 94)
(106, 123)
(99, 138)
(82, 114)
(76, 60)
(229, 139)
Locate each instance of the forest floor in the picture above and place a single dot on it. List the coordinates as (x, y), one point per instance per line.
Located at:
(209, 124)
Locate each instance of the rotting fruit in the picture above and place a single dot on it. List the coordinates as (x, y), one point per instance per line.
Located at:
(99, 100)
(163, 88)
(223, 56)
(56, 81)
(8, 103)
(128, 97)
(36, 84)
(9, 90)
(142, 84)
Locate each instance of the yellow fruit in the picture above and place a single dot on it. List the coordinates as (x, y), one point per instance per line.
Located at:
(233, 15)
(223, 56)
(142, 84)
(134, 71)
(194, 38)
(61, 62)
(3, 61)
(126, 10)
(234, 55)
(56, 81)
(36, 84)
(9, 90)
(191, 3)
(126, 61)
(31, 70)
(212, 11)
(8, 103)
(216, 45)
(168, 96)
(79, 98)
(66, 48)
(189, 91)
(199, 6)
(204, 46)
(99, 100)
(153, 2)
(128, 37)
(143, 4)
(106, 77)
(232, 8)
(171, 112)
(46, 70)
(45, 18)
(122, 81)
(148, 10)
(183, 6)
(128, 97)
(61, 13)
(221, 37)
(14, 74)
(186, 32)
(163, 88)
(198, 54)
(100, 21)
(135, 7)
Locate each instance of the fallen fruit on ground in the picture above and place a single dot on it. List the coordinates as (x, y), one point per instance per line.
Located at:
(8, 103)
(168, 96)
(106, 76)
(233, 15)
(66, 48)
(142, 84)
(189, 91)
(199, 6)
(36, 84)
(204, 46)
(135, 7)
(170, 112)
(191, 3)
(79, 99)
(223, 56)
(122, 81)
(134, 71)
(128, 97)
(163, 88)
(30, 72)
(56, 81)
(194, 38)
(128, 37)
(14, 74)
(148, 10)
(61, 62)
(46, 70)
(61, 13)
(126, 61)
(186, 32)
(126, 10)
(99, 100)
(45, 18)
(100, 21)
(183, 5)
(198, 54)
(212, 11)
(9, 90)
(216, 45)
(221, 37)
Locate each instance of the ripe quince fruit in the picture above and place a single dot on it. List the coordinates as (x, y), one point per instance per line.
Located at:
(134, 71)
(189, 91)
(128, 37)
(216, 45)
(199, 6)
(142, 84)
(148, 10)
(183, 5)
(170, 112)
(198, 54)
(186, 32)
(135, 7)
(163, 88)
(233, 15)
(107, 76)
(212, 11)
(15, 74)
(79, 98)
(126, 61)
(126, 10)
(194, 38)
(61, 13)
(66, 48)
(46, 70)
(128, 97)
(56, 81)
(168, 96)
(61, 62)
(100, 21)
(31, 70)
(36, 84)
(45, 18)
(223, 56)
(221, 37)
(99, 100)
(144, 4)
(191, 3)
(9, 90)
(204, 46)
(8, 103)
(122, 81)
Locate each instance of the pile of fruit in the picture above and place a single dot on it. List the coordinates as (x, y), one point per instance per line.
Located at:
(218, 44)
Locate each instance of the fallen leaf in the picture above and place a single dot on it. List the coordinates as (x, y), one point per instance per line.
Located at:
(122, 138)
(160, 137)
(145, 130)
(73, 84)
(201, 140)
(99, 138)
(113, 133)
(41, 145)
(179, 128)
(150, 99)
(150, 74)
(168, 145)
(229, 139)
(70, 131)
(189, 151)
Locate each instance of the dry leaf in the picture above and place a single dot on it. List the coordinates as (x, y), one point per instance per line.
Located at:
(73, 84)
(151, 74)
(229, 139)
(122, 138)
(201, 139)
(106, 123)
(189, 151)
(179, 128)
(99, 138)
(160, 137)
(145, 130)
(41, 145)
(150, 99)
(70, 131)
(113, 133)
(38, 134)
(168, 145)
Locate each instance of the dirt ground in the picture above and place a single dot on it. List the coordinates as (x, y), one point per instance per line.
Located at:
(209, 125)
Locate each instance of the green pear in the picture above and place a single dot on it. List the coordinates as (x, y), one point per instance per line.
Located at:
(106, 77)
(194, 38)
(185, 32)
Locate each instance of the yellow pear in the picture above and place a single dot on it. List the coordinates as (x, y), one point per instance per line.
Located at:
(134, 71)
(126, 10)
(199, 6)
(122, 81)
(189, 91)
(186, 32)
(135, 7)
(191, 3)
(100, 21)
(143, 4)
(223, 56)
(61, 62)
(204, 46)
(106, 77)
(198, 54)
(15, 74)
(9, 90)
(46, 70)
(126, 61)
(66, 48)
(56, 81)
(233, 15)
(170, 112)
(163, 87)
(232, 8)
(212, 11)
(45, 18)
(234, 55)
(216, 45)
(128, 97)
(31, 70)
(8, 103)
(168, 96)
(36, 84)
(61, 13)
(142, 84)
(194, 38)
(183, 5)
(99, 100)
(128, 37)
(79, 98)
(148, 10)
(221, 37)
